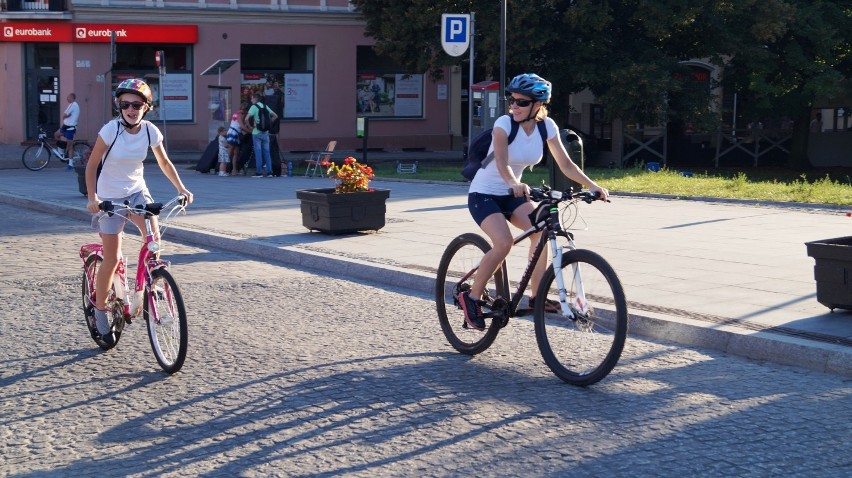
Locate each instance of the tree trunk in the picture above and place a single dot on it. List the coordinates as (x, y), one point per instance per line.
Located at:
(799, 160)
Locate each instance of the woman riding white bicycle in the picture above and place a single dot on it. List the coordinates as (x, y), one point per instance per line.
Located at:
(122, 147)
(489, 200)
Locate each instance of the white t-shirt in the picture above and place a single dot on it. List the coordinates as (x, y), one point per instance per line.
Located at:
(122, 172)
(73, 110)
(525, 150)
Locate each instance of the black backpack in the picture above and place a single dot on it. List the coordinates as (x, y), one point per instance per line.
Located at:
(263, 121)
(477, 152)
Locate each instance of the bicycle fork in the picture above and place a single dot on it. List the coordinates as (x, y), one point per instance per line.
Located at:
(579, 302)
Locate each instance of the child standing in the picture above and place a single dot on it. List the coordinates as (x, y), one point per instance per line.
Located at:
(224, 159)
(233, 139)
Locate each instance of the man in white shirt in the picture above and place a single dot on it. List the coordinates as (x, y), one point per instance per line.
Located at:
(69, 126)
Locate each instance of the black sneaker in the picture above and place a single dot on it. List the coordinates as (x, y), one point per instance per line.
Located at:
(257, 175)
(472, 311)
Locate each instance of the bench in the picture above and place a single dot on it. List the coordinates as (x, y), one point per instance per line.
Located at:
(406, 168)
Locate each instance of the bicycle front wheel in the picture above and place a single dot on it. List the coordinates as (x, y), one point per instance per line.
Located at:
(583, 349)
(166, 317)
(455, 274)
(36, 157)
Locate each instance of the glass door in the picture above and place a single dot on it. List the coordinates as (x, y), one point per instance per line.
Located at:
(43, 103)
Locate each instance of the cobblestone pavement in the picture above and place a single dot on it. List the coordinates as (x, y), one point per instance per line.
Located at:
(290, 373)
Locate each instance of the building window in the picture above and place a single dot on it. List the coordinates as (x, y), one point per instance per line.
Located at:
(601, 129)
(383, 90)
(283, 74)
(173, 100)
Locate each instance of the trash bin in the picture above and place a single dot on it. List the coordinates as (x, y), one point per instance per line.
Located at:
(574, 145)
(833, 271)
(81, 178)
(80, 169)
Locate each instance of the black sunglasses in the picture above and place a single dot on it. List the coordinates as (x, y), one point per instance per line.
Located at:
(518, 101)
(137, 105)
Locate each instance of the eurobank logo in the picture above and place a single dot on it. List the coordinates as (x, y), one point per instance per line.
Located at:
(97, 33)
(82, 33)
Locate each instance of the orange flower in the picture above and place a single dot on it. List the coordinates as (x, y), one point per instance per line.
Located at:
(351, 176)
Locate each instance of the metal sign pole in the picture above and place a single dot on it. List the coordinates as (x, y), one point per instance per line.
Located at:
(161, 65)
(501, 97)
(470, 82)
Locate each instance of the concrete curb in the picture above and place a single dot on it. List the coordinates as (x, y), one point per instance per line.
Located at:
(772, 347)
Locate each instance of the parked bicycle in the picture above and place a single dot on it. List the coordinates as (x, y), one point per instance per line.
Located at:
(37, 156)
(155, 292)
(583, 341)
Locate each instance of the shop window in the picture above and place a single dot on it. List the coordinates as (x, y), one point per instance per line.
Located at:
(283, 74)
(601, 129)
(383, 90)
(138, 60)
(140, 56)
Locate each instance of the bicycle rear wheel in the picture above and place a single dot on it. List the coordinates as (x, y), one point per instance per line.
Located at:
(460, 258)
(166, 318)
(584, 349)
(80, 153)
(90, 272)
(36, 157)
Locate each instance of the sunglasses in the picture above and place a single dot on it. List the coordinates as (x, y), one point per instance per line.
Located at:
(518, 101)
(137, 105)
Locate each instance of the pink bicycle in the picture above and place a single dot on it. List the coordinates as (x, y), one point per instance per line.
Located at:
(155, 294)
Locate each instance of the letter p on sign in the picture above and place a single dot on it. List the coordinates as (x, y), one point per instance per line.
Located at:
(454, 33)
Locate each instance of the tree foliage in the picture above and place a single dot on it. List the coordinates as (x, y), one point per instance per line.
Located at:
(778, 55)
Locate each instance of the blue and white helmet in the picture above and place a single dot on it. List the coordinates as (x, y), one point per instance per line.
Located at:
(531, 85)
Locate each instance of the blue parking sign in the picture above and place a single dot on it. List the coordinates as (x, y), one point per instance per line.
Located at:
(454, 33)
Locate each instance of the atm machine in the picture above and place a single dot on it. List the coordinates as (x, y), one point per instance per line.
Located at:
(486, 101)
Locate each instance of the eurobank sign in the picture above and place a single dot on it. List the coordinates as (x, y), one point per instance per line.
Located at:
(97, 33)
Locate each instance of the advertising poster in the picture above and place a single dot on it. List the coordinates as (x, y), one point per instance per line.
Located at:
(299, 95)
(389, 95)
(177, 95)
(409, 95)
(269, 85)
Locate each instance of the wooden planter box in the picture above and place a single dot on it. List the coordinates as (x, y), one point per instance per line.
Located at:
(325, 211)
(833, 271)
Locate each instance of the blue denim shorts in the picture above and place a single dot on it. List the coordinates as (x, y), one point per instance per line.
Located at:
(68, 131)
(484, 205)
(114, 224)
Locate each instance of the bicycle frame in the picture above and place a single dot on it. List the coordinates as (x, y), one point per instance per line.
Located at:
(54, 149)
(550, 229)
(146, 263)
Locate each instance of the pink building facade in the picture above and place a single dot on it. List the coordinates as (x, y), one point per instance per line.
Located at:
(309, 58)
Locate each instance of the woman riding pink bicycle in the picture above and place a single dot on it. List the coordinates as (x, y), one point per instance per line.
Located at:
(122, 147)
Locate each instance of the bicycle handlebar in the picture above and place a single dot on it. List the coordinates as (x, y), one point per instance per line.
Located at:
(546, 193)
(153, 209)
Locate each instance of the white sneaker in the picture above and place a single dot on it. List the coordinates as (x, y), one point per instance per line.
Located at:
(102, 321)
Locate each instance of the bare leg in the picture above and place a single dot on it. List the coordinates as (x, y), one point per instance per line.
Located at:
(520, 219)
(497, 229)
(103, 281)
